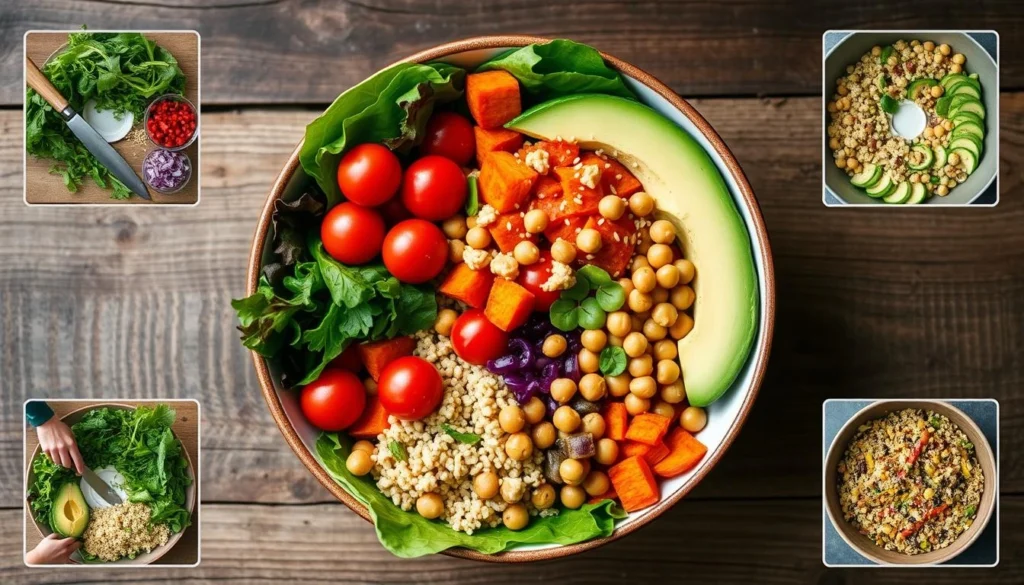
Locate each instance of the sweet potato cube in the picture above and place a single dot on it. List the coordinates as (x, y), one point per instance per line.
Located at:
(617, 243)
(376, 355)
(608, 495)
(372, 422)
(495, 140)
(577, 198)
(634, 483)
(468, 285)
(648, 428)
(509, 305)
(508, 230)
(566, 228)
(615, 177)
(560, 152)
(684, 453)
(493, 97)
(616, 418)
(505, 182)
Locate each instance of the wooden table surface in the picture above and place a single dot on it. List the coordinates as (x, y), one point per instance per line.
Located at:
(134, 301)
(185, 427)
(42, 186)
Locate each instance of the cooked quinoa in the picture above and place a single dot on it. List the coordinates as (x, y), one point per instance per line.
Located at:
(859, 131)
(910, 481)
(435, 462)
(123, 531)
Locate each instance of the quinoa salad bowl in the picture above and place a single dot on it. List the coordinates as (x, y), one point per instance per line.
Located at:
(910, 482)
(126, 533)
(910, 118)
(517, 392)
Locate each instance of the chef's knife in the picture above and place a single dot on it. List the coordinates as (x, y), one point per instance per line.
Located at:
(101, 487)
(99, 147)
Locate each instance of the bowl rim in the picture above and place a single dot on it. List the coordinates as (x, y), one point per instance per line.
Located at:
(759, 239)
(192, 489)
(985, 453)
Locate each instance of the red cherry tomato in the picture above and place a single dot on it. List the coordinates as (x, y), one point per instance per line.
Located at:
(451, 136)
(434, 188)
(410, 388)
(476, 340)
(415, 251)
(352, 234)
(394, 212)
(369, 174)
(334, 401)
(533, 276)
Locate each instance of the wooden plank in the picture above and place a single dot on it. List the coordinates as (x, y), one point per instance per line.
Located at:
(770, 542)
(888, 303)
(185, 427)
(290, 51)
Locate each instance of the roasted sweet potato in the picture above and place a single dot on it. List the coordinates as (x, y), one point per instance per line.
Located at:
(648, 428)
(616, 419)
(608, 495)
(376, 355)
(566, 228)
(684, 453)
(577, 198)
(468, 285)
(509, 305)
(617, 243)
(372, 422)
(651, 453)
(560, 152)
(615, 177)
(495, 140)
(508, 230)
(505, 182)
(493, 97)
(634, 483)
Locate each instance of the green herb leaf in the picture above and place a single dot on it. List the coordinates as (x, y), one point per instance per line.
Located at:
(969, 511)
(564, 314)
(612, 361)
(889, 104)
(473, 199)
(398, 451)
(935, 422)
(466, 438)
(967, 445)
(942, 105)
(594, 275)
(578, 291)
(886, 53)
(591, 315)
(611, 296)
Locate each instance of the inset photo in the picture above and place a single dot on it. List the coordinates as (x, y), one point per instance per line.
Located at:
(112, 117)
(111, 483)
(911, 117)
(910, 483)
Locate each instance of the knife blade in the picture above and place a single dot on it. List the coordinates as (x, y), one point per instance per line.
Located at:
(101, 487)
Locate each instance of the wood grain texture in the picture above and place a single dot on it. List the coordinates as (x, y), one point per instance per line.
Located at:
(304, 51)
(43, 187)
(185, 427)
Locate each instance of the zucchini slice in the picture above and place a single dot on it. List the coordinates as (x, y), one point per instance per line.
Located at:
(962, 117)
(967, 142)
(882, 188)
(918, 192)
(900, 195)
(926, 157)
(940, 156)
(970, 129)
(867, 177)
(967, 158)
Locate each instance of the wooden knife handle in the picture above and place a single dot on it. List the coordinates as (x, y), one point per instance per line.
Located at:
(37, 81)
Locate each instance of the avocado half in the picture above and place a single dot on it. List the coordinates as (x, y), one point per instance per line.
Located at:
(69, 514)
(691, 193)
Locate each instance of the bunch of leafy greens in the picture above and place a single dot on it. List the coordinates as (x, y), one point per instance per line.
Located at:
(139, 444)
(122, 72)
(408, 535)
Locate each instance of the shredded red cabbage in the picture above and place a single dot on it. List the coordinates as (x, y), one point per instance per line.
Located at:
(165, 170)
(527, 371)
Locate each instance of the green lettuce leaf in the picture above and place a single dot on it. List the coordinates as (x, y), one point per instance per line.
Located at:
(407, 534)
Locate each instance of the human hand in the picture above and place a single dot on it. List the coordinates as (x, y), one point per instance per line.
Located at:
(53, 550)
(57, 441)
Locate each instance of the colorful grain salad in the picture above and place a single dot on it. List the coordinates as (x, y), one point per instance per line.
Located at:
(914, 77)
(910, 481)
(489, 316)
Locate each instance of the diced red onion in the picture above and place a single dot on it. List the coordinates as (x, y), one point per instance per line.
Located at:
(165, 170)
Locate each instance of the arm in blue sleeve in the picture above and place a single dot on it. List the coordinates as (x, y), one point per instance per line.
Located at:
(37, 412)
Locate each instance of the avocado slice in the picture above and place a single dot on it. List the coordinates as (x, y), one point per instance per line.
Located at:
(691, 193)
(69, 514)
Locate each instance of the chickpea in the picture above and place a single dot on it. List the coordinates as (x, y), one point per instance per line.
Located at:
(571, 471)
(664, 314)
(526, 253)
(606, 451)
(693, 419)
(543, 497)
(639, 302)
(876, 51)
(611, 207)
(592, 387)
(833, 143)
(563, 389)
(954, 68)
(673, 393)
(644, 279)
(515, 517)
(641, 204)
(938, 58)
(535, 221)
(615, 340)
(667, 371)
(445, 321)
(939, 131)
(471, 222)
(627, 285)
(554, 345)
(364, 445)
(478, 238)
(534, 410)
(430, 505)
(851, 163)
(455, 227)
(359, 462)
(665, 350)
(544, 435)
(566, 419)
(915, 178)
(686, 270)
(841, 162)
(668, 276)
(589, 361)
(662, 408)
(659, 255)
(843, 90)
(954, 159)
(519, 447)
(643, 387)
(653, 332)
(936, 91)
(589, 240)
(617, 386)
(636, 405)
(926, 178)
(594, 424)
(682, 297)
(594, 339)
(929, 46)
(663, 232)
(944, 49)
(572, 496)
(563, 251)
(596, 483)
(455, 250)
(682, 326)
(512, 419)
(486, 485)
(618, 323)
(642, 365)
(371, 386)
(832, 109)
(942, 191)
(637, 321)
(635, 344)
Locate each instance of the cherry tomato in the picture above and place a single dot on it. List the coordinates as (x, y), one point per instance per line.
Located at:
(352, 234)
(394, 212)
(415, 251)
(369, 174)
(476, 340)
(533, 276)
(409, 388)
(434, 188)
(451, 136)
(334, 401)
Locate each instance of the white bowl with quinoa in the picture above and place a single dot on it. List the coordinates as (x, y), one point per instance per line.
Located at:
(872, 149)
(910, 482)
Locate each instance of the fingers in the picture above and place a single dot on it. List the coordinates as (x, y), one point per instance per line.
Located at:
(65, 457)
(71, 545)
(76, 457)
